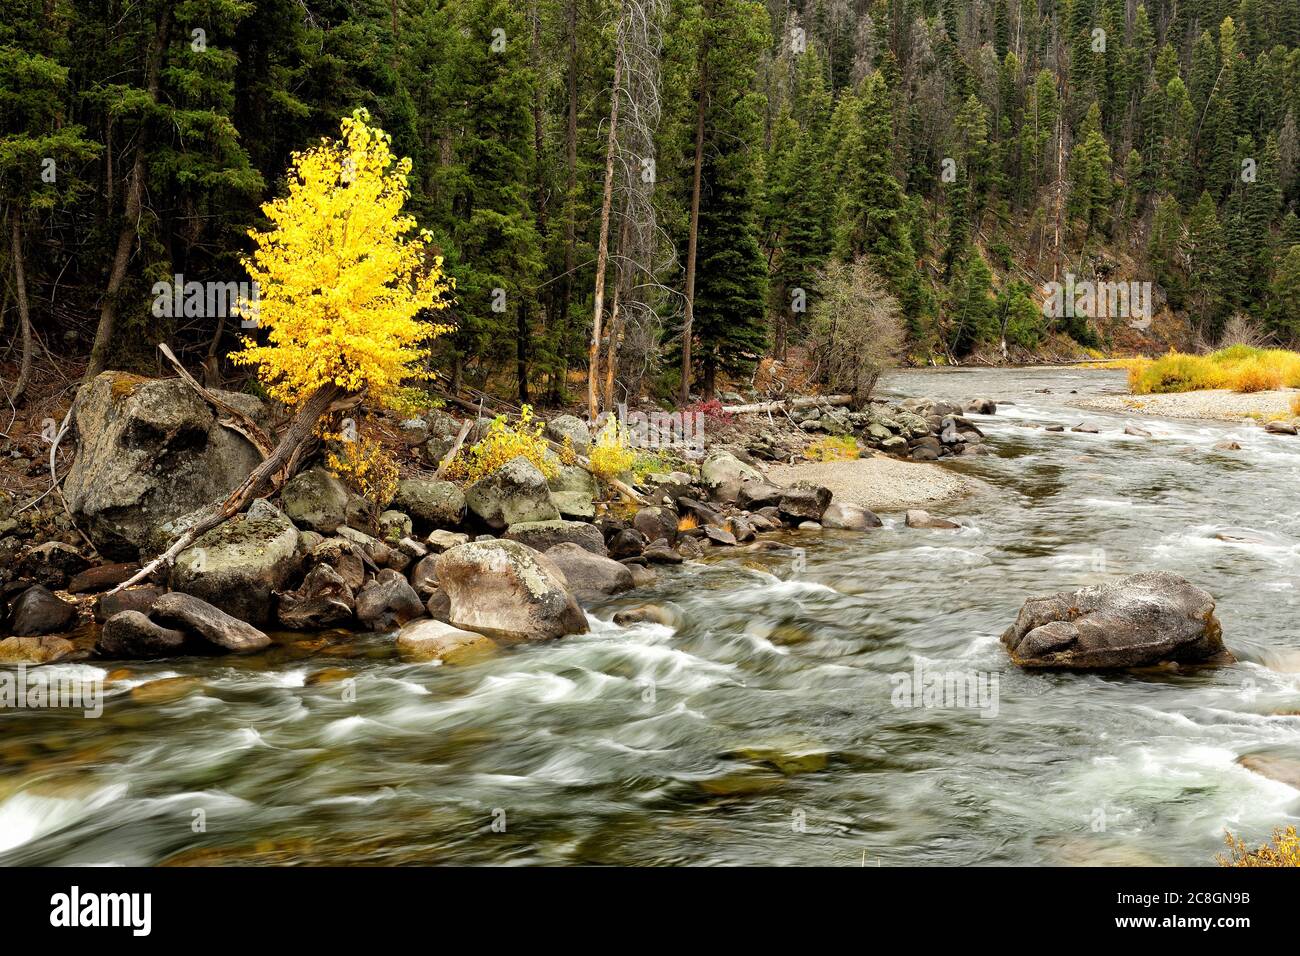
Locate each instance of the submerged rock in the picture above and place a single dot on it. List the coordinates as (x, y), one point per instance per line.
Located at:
(916, 518)
(1148, 618)
(505, 589)
(436, 641)
(35, 650)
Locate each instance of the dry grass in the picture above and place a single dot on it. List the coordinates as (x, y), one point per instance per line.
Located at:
(1240, 368)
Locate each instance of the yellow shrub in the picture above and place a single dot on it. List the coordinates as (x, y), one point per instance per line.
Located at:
(1255, 378)
(833, 448)
(1295, 405)
(610, 454)
(503, 442)
(1283, 851)
(1239, 367)
(365, 467)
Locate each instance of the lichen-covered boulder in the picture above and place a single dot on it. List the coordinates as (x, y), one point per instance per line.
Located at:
(515, 492)
(722, 467)
(316, 500)
(148, 452)
(238, 565)
(506, 590)
(431, 504)
(544, 535)
(572, 428)
(1143, 619)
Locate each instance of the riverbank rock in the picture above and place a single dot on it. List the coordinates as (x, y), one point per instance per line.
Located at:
(572, 428)
(436, 641)
(723, 468)
(1280, 428)
(238, 565)
(316, 500)
(37, 611)
(132, 634)
(590, 576)
(388, 601)
(189, 613)
(149, 452)
(101, 578)
(507, 590)
(802, 502)
(323, 600)
(544, 535)
(514, 493)
(1148, 618)
(35, 650)
(431, 504)
(52, 564)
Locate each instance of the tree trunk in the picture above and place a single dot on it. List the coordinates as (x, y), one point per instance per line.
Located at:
(271, 471)
(571, 189)
(521, 349)
(692, 241)
(131, 214)
(602, 250)
(24, 312)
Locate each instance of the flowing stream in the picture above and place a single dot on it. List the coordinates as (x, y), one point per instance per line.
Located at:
(763, 728)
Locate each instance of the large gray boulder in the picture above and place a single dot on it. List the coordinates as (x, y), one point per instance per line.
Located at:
(516, 492)
(722, 467)
(573, 428)
(590, 576)
(388, 601)
(188, 613)
(544, 535)
(1148, 618)
(238, 565)
(506, 590)
(316, 500)
(132, 634)
(149, 452)
(431, 504)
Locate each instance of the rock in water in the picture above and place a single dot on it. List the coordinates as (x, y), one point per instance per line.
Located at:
(187, 612)
(916, 518)
(323, 600)
(590, 576)
(149, 452)
(436, 641)
(388, 601)
(131, 634)
(849, 517)
(505, 589)
(1144, 619)
(35, 650)
(239, 564)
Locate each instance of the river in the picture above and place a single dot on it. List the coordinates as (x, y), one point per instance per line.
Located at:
(764, 728)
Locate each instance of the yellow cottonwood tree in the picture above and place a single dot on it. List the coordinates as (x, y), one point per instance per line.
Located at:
(340, 285)
(340, 280)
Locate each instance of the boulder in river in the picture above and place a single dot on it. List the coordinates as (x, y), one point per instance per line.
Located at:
(845, 516)
(239, 564)
(916, 518)
(804, 503)
(1144, 619)
(388, 601)
(590, 576)
(507, 590)
(428, 640)
(149, 452)
(323, 600)
(132, 634)
(189, 613)
(35, 650)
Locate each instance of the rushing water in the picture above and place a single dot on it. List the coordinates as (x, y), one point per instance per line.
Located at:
(763, 728)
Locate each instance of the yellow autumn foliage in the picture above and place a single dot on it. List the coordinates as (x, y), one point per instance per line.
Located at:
(365, 467)
(340, 282)
(611, 455)
(503, 442)
(1283, 851)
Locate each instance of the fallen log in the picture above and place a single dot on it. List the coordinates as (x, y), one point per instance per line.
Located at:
(804, 401)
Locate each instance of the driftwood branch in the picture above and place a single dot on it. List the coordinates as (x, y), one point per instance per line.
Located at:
(448, 458)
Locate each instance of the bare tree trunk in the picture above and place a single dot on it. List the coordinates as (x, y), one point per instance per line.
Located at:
(571, 190)
(692, 241)
(602, 251)
(616, 318)
(131, 214)
(24, 313)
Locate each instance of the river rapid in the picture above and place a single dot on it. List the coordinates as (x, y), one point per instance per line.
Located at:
(765, 728)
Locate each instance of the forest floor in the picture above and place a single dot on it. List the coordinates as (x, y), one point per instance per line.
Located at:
(1219, 403)
(880, 483)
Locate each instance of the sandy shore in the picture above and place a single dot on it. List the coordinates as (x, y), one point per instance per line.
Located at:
(1218, 403)
(881, 484)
